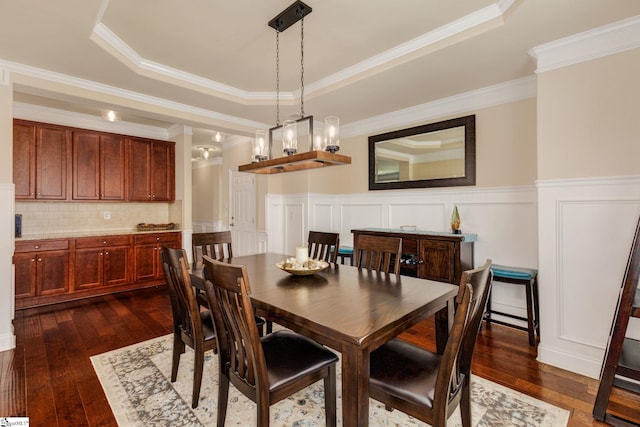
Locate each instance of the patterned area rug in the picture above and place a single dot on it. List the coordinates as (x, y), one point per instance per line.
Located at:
(136, 380)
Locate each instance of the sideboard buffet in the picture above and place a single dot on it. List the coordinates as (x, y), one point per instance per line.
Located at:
(428, 254)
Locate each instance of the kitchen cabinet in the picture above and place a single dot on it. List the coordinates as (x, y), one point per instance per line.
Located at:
(430, 255)
(151, 170)
(54, 270)
(41, 268)
(148, 249)
(99, 166)
(102, 261)
(40, 161)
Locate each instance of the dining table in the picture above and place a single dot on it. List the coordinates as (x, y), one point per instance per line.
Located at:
(351, 310)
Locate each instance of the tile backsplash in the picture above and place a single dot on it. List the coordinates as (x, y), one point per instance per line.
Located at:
(60, 218)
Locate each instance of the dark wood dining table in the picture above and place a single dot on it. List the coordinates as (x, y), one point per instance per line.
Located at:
(350, 310)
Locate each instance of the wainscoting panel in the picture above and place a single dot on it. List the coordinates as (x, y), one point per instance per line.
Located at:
(585, 234)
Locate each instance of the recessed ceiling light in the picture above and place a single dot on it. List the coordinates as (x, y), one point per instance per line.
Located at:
(110, 115)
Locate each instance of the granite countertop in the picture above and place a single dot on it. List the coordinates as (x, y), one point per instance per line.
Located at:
(93, 233)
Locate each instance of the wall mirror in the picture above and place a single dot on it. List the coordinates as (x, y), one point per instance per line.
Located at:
(441, 154)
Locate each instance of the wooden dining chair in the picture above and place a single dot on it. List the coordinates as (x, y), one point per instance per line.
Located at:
(378, 253)
(431, 386)
(191, 325)
(324, 246)
(217, 245)
(266, 369)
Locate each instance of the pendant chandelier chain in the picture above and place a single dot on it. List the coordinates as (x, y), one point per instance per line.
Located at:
(302, 67)
(277, 78)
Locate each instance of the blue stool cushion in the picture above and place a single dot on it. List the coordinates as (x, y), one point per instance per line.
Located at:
(513, 272)
(344, 250)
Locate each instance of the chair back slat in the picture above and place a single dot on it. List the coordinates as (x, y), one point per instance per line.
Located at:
(216, 245)
(186, 311)
(227, 287)
(378, 253)
(324, 246)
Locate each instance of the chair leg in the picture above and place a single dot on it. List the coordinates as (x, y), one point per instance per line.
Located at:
(263, 414)
(269, 326)
(536, 304)
(330, 396)
(465, 404)
(223, 397)
(530, 321)
(178, 349)
(197, 375)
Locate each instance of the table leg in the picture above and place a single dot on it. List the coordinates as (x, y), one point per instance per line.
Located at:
(444, 321)
(355, 387)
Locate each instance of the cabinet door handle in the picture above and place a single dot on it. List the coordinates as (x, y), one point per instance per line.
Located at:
(33, 260)
(39, 259)
(101, 253)
(106, 253)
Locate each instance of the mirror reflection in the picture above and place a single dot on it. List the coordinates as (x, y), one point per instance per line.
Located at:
(434, 155)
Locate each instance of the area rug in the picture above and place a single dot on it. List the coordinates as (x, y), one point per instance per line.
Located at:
(136, 381)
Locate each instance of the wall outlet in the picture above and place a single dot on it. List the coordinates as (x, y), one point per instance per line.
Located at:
(106, 215)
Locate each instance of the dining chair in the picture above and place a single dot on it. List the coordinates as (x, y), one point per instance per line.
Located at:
(192, 326)
(266, 369)
(430, 386)
(217, 245)
(378, 253)
(324, 246)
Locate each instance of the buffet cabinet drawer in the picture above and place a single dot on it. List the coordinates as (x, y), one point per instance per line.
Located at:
(41, 245)
(101, 242)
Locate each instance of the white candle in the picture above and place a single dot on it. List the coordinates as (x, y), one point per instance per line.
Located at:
(301, 254)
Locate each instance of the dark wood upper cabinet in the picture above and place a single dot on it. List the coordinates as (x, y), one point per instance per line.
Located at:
(24, 160)
(98, 167)
(152, 170)
(40, 161)
(52, 162)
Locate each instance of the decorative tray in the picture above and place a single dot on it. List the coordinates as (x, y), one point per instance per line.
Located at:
(156, 227)
(309, 267)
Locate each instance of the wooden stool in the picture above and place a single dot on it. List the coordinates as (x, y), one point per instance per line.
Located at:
(527, 277)
(345, 252)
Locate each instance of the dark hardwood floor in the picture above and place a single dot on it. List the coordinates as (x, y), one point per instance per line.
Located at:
(49, 377)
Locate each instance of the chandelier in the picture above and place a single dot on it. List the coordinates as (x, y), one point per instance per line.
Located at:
(284, 138)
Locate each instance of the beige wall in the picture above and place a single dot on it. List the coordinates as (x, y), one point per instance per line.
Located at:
(588, 118)
(505, 155)
(206, 180)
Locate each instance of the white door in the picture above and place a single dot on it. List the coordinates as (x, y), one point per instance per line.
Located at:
(243, 213)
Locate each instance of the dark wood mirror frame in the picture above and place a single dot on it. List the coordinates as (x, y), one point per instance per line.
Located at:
(469, 178)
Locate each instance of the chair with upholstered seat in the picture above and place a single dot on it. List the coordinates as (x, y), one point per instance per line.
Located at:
(324, 246)
(266, 369)
(431, 386)
(217, 245)
(191, 325)
(378, 253)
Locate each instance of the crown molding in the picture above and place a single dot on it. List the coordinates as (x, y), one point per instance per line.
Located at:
(599, 42)
(88, 85)
(489, 96)
(5, 77)
(114, 45)
(85, 121)
(406, 51)
(119, 49)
